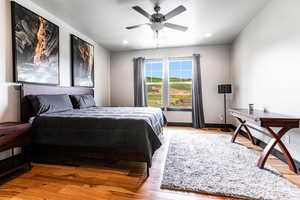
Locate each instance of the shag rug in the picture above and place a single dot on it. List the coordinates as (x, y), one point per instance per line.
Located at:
(211, 164)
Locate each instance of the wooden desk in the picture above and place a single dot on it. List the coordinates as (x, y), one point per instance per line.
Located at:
(267, 120)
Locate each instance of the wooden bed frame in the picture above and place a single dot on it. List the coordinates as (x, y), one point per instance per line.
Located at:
(53, 154)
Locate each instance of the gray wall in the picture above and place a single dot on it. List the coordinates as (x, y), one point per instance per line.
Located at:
(215, 62)
(9, 99)
(9, 93)
(265, 65)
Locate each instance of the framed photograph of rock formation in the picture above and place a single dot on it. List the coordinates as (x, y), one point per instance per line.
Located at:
(82, 63)
(35, 47)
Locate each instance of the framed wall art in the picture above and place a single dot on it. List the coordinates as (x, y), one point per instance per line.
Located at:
(82, 62)
(35, 47)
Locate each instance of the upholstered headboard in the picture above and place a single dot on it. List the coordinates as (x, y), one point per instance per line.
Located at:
(30, 89)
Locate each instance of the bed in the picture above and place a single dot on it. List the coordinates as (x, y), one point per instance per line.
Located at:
(116, 133)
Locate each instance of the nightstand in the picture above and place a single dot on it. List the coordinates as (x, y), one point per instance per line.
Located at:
(12, 136)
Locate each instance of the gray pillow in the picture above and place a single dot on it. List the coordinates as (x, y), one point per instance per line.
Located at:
(43, 104)
(83, 101)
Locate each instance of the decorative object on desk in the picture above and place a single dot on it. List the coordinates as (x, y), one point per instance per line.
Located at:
(225, 89)
(251, 108)
(266, 109)
(82, 63)
(35, 47)
(211, 164)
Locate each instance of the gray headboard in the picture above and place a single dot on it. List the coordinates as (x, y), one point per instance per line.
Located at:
(31, 89)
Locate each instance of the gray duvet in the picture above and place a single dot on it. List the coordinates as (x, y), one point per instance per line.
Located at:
(104, 127)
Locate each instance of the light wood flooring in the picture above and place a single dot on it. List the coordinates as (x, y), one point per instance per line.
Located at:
(123, 182)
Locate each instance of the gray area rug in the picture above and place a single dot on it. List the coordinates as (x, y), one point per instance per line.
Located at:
(211, 164)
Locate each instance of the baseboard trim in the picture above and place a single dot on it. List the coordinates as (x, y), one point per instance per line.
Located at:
(216, 125)
(278, 154)
(207, 125)
(181, 124)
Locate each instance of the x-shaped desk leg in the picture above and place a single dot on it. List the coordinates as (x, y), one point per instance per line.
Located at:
(276, 140)
(236, 132)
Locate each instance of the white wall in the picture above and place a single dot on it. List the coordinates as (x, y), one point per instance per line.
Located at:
(214, 67)
(266, 63)
(9, 96)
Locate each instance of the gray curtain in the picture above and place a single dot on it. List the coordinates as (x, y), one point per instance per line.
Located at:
(140, 99)
(197, 110)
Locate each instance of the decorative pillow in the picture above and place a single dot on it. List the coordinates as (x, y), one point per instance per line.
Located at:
(83, 101)
(43, 104)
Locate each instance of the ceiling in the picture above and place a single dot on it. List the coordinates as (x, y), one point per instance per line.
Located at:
(105, 20)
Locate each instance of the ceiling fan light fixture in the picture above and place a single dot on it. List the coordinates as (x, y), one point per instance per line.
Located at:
(158, 20)
(157, 26)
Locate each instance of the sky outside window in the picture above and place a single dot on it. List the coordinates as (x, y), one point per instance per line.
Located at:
(154, 72)
(180, 71)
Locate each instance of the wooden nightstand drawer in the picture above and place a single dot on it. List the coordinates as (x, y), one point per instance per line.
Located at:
(13, 135)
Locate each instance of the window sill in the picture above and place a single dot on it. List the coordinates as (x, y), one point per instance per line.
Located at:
(182, 109)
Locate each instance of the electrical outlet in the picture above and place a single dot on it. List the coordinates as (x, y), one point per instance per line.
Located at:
(286, 139)
(221, 117)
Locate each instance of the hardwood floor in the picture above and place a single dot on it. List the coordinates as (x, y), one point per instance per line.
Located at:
(123, 182)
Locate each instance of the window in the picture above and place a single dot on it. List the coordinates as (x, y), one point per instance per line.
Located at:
(154, 82)
(169, 83)
(180, 83)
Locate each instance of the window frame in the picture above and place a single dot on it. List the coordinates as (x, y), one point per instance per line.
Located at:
(165, 81)
(155, 83)
(174, 108)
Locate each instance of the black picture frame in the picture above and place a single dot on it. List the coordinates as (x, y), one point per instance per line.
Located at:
(41, 68)
(82, 76)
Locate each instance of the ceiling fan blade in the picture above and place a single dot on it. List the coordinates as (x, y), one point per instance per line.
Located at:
(142, 11)
(176, 27)
(175, 12)
(136, 26)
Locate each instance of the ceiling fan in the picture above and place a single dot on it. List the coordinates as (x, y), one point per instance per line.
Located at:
(158, 20)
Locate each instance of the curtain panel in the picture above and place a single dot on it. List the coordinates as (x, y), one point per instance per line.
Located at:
(197, 107)
(140, 94)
